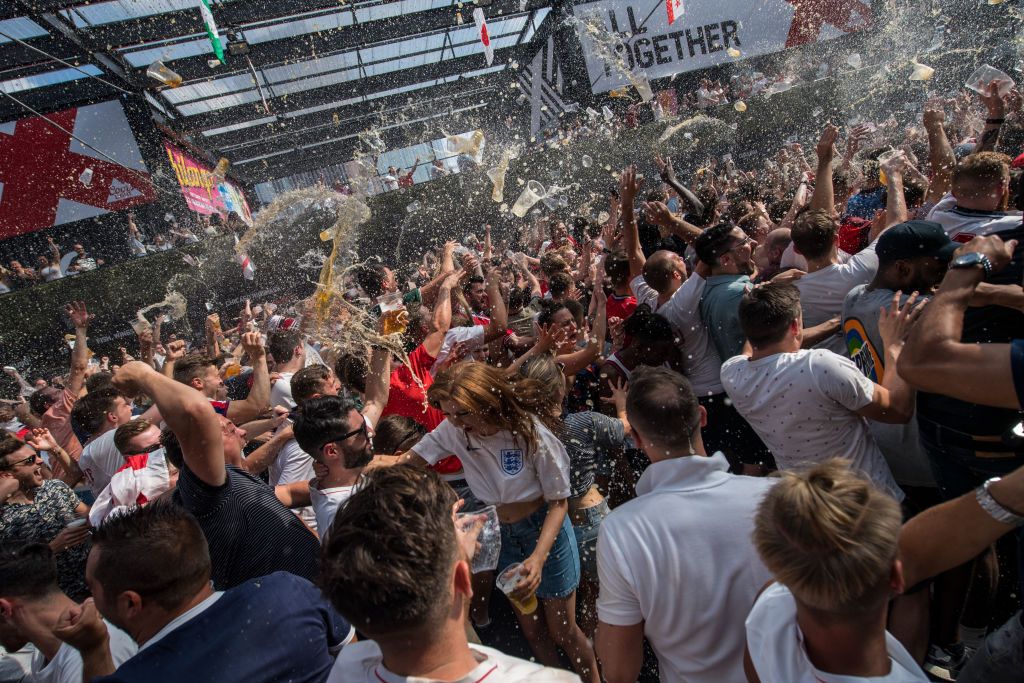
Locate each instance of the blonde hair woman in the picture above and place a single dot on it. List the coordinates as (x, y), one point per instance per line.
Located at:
(838, 552)
(513, 461)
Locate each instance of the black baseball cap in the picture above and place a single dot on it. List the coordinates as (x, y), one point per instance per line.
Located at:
(913, 239)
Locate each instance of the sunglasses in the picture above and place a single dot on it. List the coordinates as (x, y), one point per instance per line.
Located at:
(149, 449)
(31, 458)
(344, 437)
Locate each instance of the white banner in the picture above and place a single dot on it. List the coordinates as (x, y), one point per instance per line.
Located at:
(620, 36)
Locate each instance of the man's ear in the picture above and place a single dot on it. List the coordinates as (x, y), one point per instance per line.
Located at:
(6, 609)
(196, 383)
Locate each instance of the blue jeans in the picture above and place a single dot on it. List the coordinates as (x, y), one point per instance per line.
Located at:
(561, 572)
(586, 537)
(1001, 657)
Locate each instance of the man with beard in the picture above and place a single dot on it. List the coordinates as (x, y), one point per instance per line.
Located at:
(334, 432)
(728, 251)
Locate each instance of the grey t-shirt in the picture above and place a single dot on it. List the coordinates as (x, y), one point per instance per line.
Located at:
(899, 443)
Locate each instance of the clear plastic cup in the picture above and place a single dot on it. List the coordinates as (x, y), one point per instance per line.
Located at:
(587, 161)
(507, 582)
(497, 176)
(984, 75)
(740, 106)
(643, 86)
(608, 115)
(531, 194)
(159, 72)
(922, 72)
(855, 61)
(414, 207)
(488, 541)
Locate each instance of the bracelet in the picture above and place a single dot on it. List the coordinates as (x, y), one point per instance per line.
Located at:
(994, 508)
(994, 121)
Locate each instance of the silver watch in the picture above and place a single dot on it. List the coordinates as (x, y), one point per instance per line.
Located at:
(993, 507)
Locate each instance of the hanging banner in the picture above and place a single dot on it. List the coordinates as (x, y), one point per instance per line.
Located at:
(202, 191)
(622, 36)
(211, 29)
(674, 10)
(485, 37)
(49, 177)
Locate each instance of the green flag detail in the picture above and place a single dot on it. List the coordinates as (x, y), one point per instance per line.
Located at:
(211, 29)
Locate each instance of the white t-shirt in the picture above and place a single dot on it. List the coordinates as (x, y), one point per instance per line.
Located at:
(963, 224)
(699, 355)
(679, 558)
(281, 392)
(473, 336)
(51, 273)
(644, 293)
(16, 666)
(498, 468)
(822, 292)
(791, 259)
(363, 662)
(66, 665)
(292, 465)
(99, 461)
(325, 505)
(803, 405)
(777, 651)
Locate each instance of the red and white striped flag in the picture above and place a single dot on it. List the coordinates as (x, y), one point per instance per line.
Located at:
(674, 9)
(485, 37)
(248, 269)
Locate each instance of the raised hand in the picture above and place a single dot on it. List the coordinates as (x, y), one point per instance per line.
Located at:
(252, 344)
(42, 440)
(79, 314)
(825, 148)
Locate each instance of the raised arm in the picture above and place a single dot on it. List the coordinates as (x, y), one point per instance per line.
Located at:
(80, 318)
(996, 109)
(658, 213)
(258, 400)
(935, 359)
(940, 154)
(896, 202)
(499, 313)
(668, 174)
(629, 186)
(378, 384)
(187, 413)
(824, 194)
(442, 318)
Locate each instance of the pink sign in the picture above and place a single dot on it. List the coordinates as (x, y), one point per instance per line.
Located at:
(202, 192)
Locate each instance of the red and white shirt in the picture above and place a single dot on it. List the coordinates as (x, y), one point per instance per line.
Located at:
(142, 478)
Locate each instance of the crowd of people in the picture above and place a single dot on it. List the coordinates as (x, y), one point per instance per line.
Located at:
(761, 425)
(53, 265)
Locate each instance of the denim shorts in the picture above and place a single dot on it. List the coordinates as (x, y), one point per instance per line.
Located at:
(1001, 657)
(561, 572)
(586, 537)
(472, 503)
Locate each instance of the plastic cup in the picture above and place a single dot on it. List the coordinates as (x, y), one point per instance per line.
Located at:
(608, 115)
(922, 72)
(414, 207)
(485, 559)
(497, 176)
(643, 86)
(507, 582)
(77, 523)
(733, 52)
(392, 312)
(86, 177)
(531, 194)
(159, 72)
(740, 106)
(855, 61)
(984, 75)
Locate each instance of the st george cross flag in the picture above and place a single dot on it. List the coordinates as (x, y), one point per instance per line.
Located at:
(248, 269)
(211, 29)
(674, 9)
(485, 37)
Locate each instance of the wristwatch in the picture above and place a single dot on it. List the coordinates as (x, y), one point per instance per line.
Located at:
(994, 508)
(972, 259)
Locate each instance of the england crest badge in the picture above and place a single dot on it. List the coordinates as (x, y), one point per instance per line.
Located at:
(511, 461)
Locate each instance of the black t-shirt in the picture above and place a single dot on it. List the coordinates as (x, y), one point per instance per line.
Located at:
(249, 531)
(988, 325)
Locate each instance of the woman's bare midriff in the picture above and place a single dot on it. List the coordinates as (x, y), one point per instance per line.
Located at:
(510, 513)
(588, 500)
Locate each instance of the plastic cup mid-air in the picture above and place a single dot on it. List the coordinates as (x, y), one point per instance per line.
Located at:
(984, 75)
(922, 72)
(531, 194)
(497, 176)
(159, 72)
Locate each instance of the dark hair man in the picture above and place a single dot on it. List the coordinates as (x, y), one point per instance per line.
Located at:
(99, 414)
(200, 373)
(32, 606)
(396, 565)
(727, 250)
(149, 571)
(692, 618)
(289, 353)
(808, 404)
